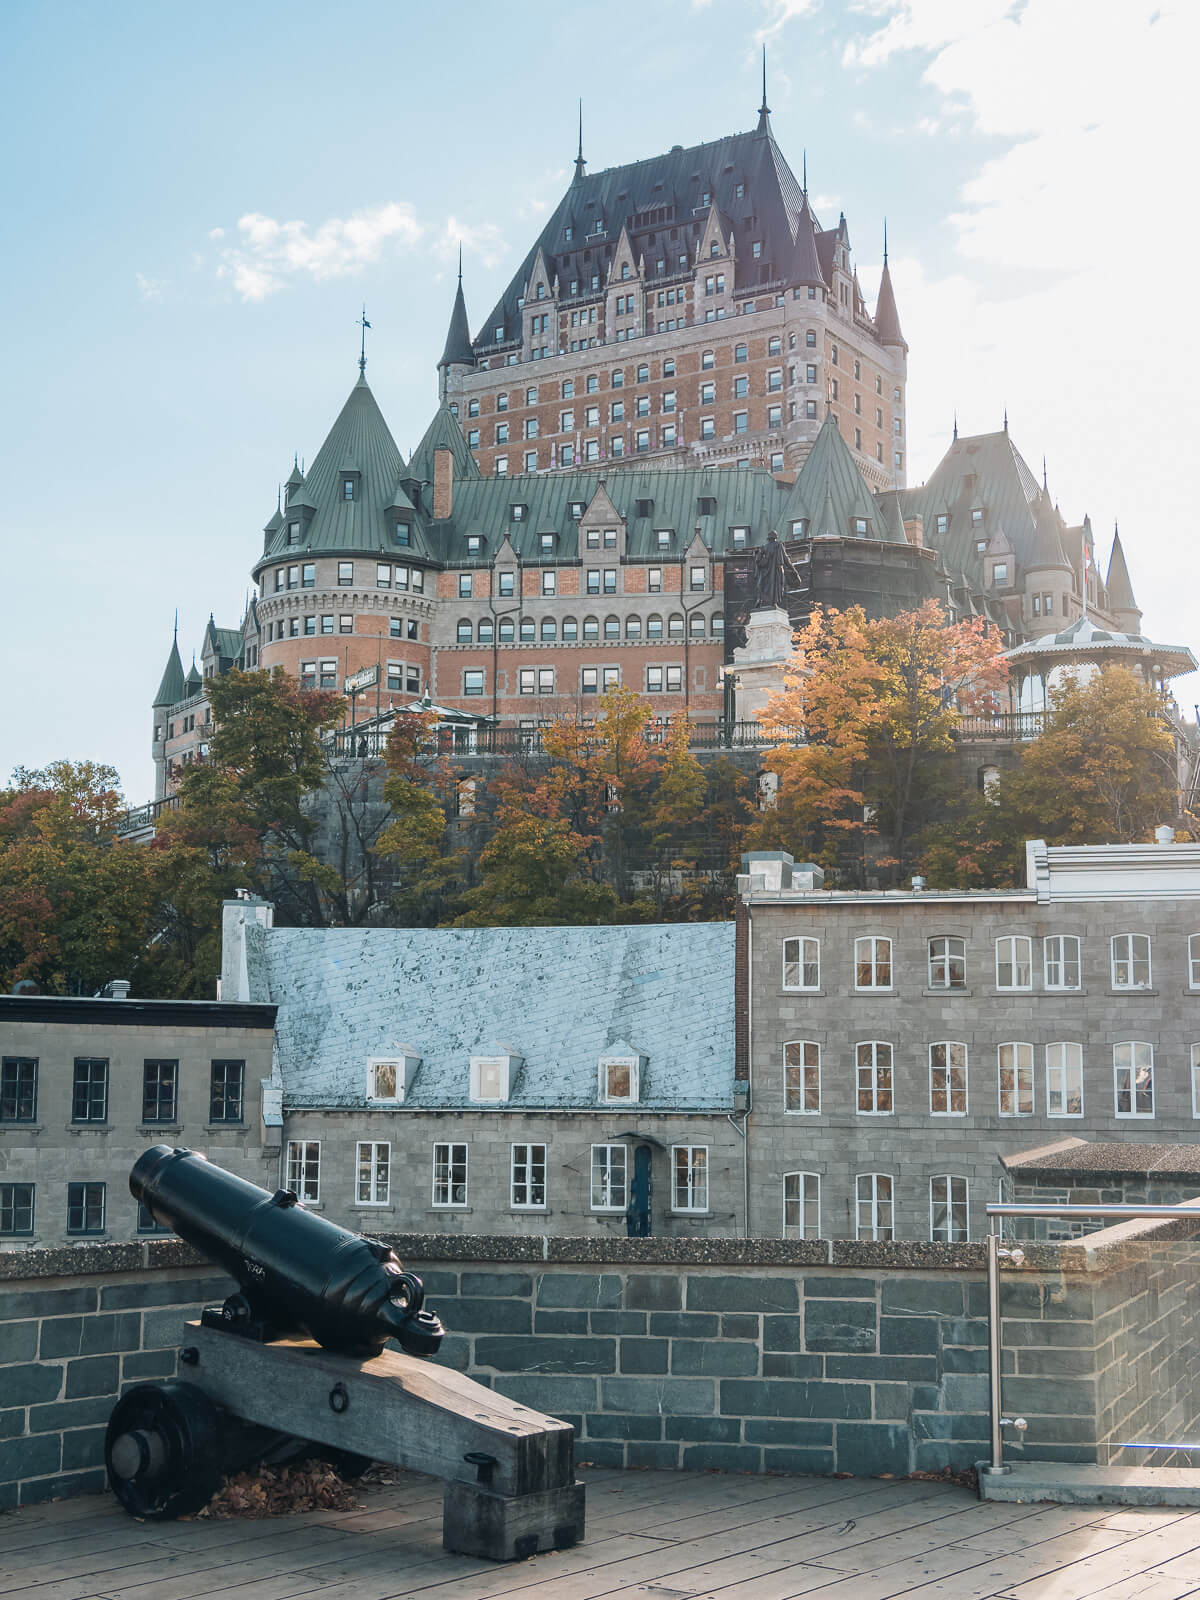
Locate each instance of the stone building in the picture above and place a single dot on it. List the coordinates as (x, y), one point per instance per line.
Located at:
(901, 1042)
(502, 1080)
(87, 1085)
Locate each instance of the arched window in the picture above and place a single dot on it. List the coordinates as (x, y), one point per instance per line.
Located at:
(549, 630)
(633, 630)
(570, 630)
(706, 361)
(527, 631)
(507, 630)
(654, 626)
(675, 626)
(696, 625)
(485, 630)
(612, 627)
(591, 628)
(466, 633)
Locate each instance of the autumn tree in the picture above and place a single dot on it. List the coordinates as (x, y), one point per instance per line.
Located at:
(868, 709)
(1103, 770)
(75, 902)
(674, 821)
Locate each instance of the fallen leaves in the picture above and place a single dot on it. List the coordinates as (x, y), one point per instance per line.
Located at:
(264, 1491)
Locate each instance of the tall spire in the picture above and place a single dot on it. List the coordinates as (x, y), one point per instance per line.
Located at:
(764, 110)
(804, 170)
(458, 351)
(362, 349)
(885, 241)
(580, 163)
(955, 440)
(1045, 484)
(1006, 419)
(887, 318)
(1120, 590)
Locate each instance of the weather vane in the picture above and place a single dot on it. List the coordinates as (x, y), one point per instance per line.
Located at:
(362, 352)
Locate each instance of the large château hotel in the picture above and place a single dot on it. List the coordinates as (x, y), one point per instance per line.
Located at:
(683, 362)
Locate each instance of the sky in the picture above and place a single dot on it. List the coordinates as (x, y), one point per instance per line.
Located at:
(197, 201)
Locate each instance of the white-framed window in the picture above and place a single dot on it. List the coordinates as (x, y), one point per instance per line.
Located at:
(388, 1077)
(1194, 961)
(1131, 961)
(872, 963)
(1196, 1080)
(689, 1168)
(528, 1188)
(449, 1174)
(949, 1222)
(1064, 1079)
(874, 1206)
(1133, 1079)
(948, 1080)
(618, 1080)
(489, 1079)
(802, 963)
(304, 1169)
(610, 1181)
(947, 962)
(873, 1078)
(801, 1205)
(802, 1076)
(373, 1173)
(1060, 961)
(1014, 962)
(1014, 1075)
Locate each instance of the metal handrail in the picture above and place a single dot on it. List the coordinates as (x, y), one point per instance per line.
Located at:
(996, 1253)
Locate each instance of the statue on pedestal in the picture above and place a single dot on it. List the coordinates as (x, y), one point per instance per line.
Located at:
(771, 570)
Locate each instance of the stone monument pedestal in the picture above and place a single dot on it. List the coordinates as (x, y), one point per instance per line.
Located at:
(760, 662)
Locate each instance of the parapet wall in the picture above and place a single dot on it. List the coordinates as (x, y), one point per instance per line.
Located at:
(741, 1355)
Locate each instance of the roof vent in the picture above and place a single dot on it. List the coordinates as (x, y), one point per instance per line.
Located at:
(1164, 834)
(918, 884)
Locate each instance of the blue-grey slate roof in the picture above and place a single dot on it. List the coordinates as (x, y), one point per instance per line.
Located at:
(559, 997)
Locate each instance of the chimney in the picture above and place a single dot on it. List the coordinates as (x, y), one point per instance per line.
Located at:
(1164, 834)
(443, 483)
(119, 988)
(914, 531)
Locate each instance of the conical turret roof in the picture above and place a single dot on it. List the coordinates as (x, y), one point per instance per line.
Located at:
(887, 318)
(832, 493)
(1120, 590)
(806, 267)
(171, 690)
(359, 445)
(1046, 547)
(193, 680)
(458, 350)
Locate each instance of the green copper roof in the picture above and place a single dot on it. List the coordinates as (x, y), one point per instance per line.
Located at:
(832, 494)
(458, 350)
(443, 433)
(171, 689)
(359, 447)
(983, 472)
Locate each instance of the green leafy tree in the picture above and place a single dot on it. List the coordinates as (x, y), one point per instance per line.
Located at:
(75, 902)
(414, 842)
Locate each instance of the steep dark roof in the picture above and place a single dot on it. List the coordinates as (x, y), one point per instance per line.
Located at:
(984, 472)
(1046, 547)
(887, 318)
(171, 689)
(458, 350)
(662, 193)
(359, 442)
(1120, 590)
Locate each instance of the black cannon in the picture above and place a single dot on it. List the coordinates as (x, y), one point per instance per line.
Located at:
(299, 1273)
(295, 1363)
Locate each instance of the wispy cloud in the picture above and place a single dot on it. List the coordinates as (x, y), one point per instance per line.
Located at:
(149, 288)
(264, 254)
(779, 14)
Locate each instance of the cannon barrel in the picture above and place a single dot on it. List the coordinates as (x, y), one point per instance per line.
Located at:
(298, 1272)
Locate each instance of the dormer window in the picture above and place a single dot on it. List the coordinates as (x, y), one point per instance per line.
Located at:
(541, 291)
(577, 509)
(740, 536)
(474, 544)
(619, 1079)
(491, 1077)
(402, 533)
(389, 1078)
(293, 533)
(663, 535)
(860, 525)
(348, 489)
(980, 546)
(706, 505)
(977, 518)
(999, 573)
(943, 521)
(546, 542)
(799, 528)
(516, 513)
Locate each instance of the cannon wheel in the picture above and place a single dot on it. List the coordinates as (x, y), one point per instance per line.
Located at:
(163, 1450)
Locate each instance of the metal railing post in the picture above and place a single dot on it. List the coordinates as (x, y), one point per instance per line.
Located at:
(996, 1467)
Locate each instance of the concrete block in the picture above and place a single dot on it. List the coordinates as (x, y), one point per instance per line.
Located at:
(585, 1290)
(653, 1291)
(653, 1457)
(704, 1430)
(92, 1375)
(531, 1354)
(721, 1458)
(911, 1296)
(742, 1294)
(831, 1288)
(684, 1325)
(143, 1293)
(30, 1385)
(18, 1341)
(36, 1491)
(792, 1432)
(83, 1447)
(1087, 1485)
(718, 1358)
(512, 1285)
(786, 1364)
(489, 1316)
(552, 1395)
(839, 1325)
(617, 1321)
(572, 1322)
(624, 1425)
(812, 1463)
(751, 1397)
(600, 1453)
(30, 1457)
(873, 1449)
(644, 1355)
(909, 1336)
(671, 1396)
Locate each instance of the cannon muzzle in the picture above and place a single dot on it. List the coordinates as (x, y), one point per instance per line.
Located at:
(298, 1272)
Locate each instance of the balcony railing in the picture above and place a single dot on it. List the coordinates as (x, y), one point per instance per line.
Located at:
(1007, 727)
(371, 742)
(145, 816)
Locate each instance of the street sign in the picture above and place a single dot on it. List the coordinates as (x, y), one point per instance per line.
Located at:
(367, 678)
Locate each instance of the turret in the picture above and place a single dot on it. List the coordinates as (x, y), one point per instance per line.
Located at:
(887, 318)
(458, 351)
(1125, 611)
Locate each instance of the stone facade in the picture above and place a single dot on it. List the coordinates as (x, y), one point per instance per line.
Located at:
(890, 1110)
(87, 1085)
